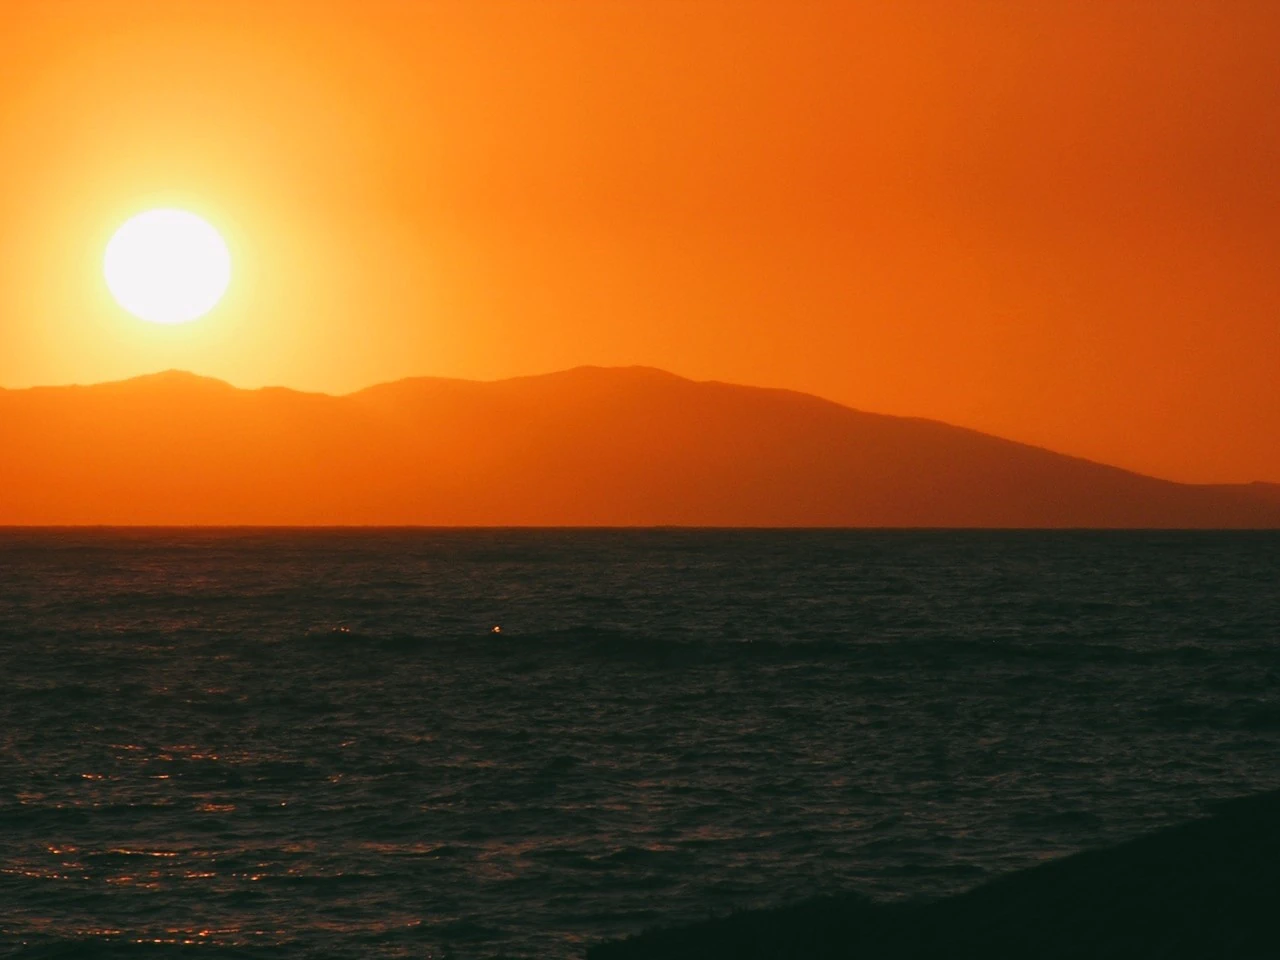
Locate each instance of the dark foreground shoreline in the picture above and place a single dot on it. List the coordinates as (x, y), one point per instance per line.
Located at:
(1207, 888)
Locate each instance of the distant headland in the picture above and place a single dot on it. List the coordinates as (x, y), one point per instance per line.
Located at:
(590, 446)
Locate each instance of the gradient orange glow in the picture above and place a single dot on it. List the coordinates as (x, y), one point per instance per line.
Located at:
(1056, 222)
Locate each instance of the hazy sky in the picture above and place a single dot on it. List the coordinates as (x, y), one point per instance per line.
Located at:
(1058, 222)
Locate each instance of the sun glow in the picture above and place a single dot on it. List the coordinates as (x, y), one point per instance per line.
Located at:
(167, 266)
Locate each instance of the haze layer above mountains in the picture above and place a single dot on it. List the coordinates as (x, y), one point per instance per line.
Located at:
(590, 446)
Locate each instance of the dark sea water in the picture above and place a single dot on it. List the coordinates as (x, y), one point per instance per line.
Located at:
(313, 744)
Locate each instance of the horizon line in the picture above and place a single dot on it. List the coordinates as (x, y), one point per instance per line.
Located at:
(613, 528)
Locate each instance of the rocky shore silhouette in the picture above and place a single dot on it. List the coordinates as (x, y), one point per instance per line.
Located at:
(1207, 888)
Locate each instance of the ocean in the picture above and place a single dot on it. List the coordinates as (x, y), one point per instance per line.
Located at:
(471, 744)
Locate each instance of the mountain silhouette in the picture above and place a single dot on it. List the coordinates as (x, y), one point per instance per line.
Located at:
(589, 446)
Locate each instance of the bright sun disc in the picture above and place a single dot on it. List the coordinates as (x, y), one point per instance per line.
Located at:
(167, 266)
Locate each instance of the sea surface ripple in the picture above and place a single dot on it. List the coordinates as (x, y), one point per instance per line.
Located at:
(469, 744)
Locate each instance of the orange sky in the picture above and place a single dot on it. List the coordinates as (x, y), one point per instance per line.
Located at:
(1058, 222)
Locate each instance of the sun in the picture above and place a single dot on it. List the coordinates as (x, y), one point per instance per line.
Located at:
(167, 266)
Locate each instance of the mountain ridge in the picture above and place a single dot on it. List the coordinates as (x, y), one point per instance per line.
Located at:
(630, 446)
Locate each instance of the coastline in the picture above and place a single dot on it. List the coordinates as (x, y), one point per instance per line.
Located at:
(1204, 888)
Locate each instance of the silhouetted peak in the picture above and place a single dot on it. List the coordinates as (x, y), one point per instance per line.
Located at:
(600, 376)
(171, 379)
(635, 372)
(573, 378)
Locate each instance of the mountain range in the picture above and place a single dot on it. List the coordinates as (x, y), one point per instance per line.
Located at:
(590, 446)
